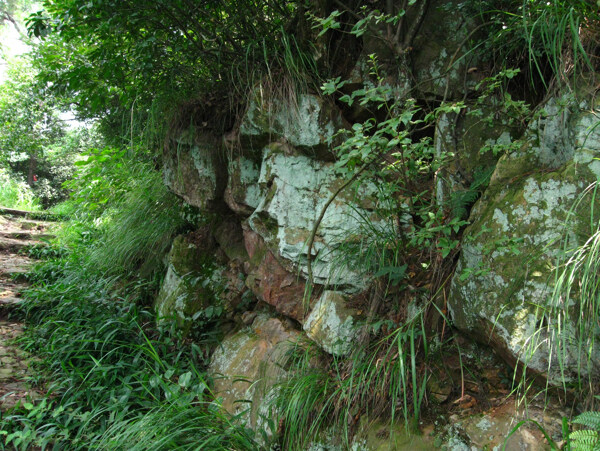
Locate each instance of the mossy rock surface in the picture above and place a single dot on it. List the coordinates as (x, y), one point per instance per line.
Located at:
(507, 267)
(471, 144)
(193, 281)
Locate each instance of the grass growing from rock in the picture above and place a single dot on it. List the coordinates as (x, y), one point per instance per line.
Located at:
(383, 378)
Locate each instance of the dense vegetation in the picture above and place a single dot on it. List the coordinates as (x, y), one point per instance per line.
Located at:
(134, 73)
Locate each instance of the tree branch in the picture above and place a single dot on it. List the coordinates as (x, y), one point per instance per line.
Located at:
(315, 228)
(416, 24)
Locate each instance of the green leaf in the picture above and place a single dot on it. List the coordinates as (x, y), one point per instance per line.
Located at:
(185, 378)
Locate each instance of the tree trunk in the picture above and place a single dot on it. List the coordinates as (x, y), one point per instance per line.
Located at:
(31, 170)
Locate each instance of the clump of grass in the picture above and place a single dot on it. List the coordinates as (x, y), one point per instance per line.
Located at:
(139, 227)
(382, 379)
(15, 193)
(177, 425)
(574, 308)
(555, 38)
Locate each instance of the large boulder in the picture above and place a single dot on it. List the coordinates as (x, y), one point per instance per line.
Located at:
(504, 279)
(194, 169)
(271, 282)
(248, 364)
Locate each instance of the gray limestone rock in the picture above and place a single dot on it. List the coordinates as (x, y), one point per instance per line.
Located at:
(506, 272)
(294, 189)
(331, 324)
(195, 169)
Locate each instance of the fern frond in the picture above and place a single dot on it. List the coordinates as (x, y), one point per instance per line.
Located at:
(589, 419)
(585, 440)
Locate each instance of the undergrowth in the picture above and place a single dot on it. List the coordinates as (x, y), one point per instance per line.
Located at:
(383, 378)
(113, 377)
(110, 374)
(15, 193)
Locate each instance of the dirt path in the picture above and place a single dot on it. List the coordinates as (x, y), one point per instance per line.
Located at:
(15, 235)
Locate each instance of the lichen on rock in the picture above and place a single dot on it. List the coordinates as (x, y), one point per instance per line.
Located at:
(294, 190)
(194, 169)
(505, 276)
(242, 194)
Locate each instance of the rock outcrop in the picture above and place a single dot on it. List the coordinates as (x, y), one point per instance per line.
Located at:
(247, 366)
(185, 291)
(504, 280)
(523, 188)
(193, 169)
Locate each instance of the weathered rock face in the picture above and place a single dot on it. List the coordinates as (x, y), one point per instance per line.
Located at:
(193, 280)
(294, 189)
(440, 51)
(308, 123)
(194, 169)
(471, 143)
(271, 282)
(331, 324)
(229, 235)
(243, 193)
(517, 229)
(248, 364)
(280, 175)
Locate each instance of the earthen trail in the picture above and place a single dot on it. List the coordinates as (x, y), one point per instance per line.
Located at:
(16, 234)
